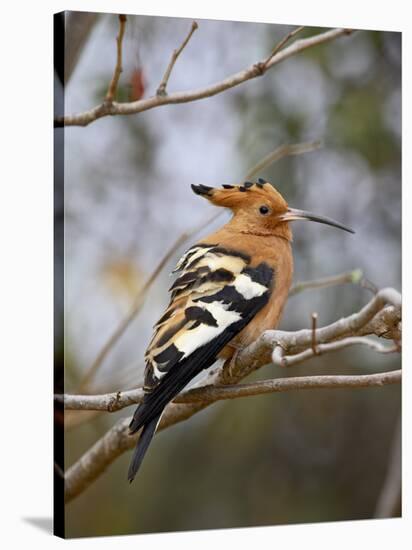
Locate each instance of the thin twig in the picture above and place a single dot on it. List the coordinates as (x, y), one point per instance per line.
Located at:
(118, 68)
(321, 349)
(254, 71)
(366, 283)
(284, 40)
(161, 90)
(314, 323)
(283, 151)
(355, 277)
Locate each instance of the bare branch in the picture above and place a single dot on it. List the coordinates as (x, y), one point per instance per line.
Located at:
(386, 324)
(298, 344)
(280, 152)
(161, 90)
(112, 402)
(385, 306)
(382, 314)
(109, 402)
(355, 277)
(314, 349)
(118, 68)
(217, 393)
(117, 439)
(321, 349)
(284, 40)
(257, 69)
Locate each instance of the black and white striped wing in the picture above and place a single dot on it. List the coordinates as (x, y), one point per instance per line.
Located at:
(215, 296)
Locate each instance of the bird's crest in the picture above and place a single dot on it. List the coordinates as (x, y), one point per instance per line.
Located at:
(243, 195)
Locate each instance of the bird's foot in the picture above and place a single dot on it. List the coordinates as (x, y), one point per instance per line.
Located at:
(238, 348)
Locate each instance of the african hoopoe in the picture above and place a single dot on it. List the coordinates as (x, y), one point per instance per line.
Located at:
(232, 286)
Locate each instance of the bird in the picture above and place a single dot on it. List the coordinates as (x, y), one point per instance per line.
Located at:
(231, 286)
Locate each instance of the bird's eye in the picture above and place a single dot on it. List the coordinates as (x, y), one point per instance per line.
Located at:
(264, 209)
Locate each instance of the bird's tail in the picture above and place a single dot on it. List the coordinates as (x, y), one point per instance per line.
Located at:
(143, 443)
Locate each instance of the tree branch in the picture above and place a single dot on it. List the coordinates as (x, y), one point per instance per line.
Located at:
(118, 68)
(255, 70)
(355, 277)
(284, 40)
(290, 360)
(117, 440)
(112, 402)
(280, 152)
(217, 393)
(385, 306)
(381, 316)
(161, 90)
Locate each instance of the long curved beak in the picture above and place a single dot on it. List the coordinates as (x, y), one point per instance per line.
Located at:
(295, 214)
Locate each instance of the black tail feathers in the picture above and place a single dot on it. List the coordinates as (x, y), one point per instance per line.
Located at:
(145, 438)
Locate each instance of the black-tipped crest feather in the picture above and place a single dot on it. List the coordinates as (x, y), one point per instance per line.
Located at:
(202, 189)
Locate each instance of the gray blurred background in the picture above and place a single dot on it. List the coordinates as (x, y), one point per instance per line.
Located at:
(311, 456)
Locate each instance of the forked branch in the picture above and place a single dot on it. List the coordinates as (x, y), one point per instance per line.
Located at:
(161, 90)
(383, 309)
(254, 71)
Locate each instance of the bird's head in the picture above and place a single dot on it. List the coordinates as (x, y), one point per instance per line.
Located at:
(259, 209)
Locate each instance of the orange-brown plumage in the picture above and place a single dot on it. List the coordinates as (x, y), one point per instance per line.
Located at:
(232, 286)
(277, 253)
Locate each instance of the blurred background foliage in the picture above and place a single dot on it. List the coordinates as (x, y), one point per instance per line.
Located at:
(311, 456)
